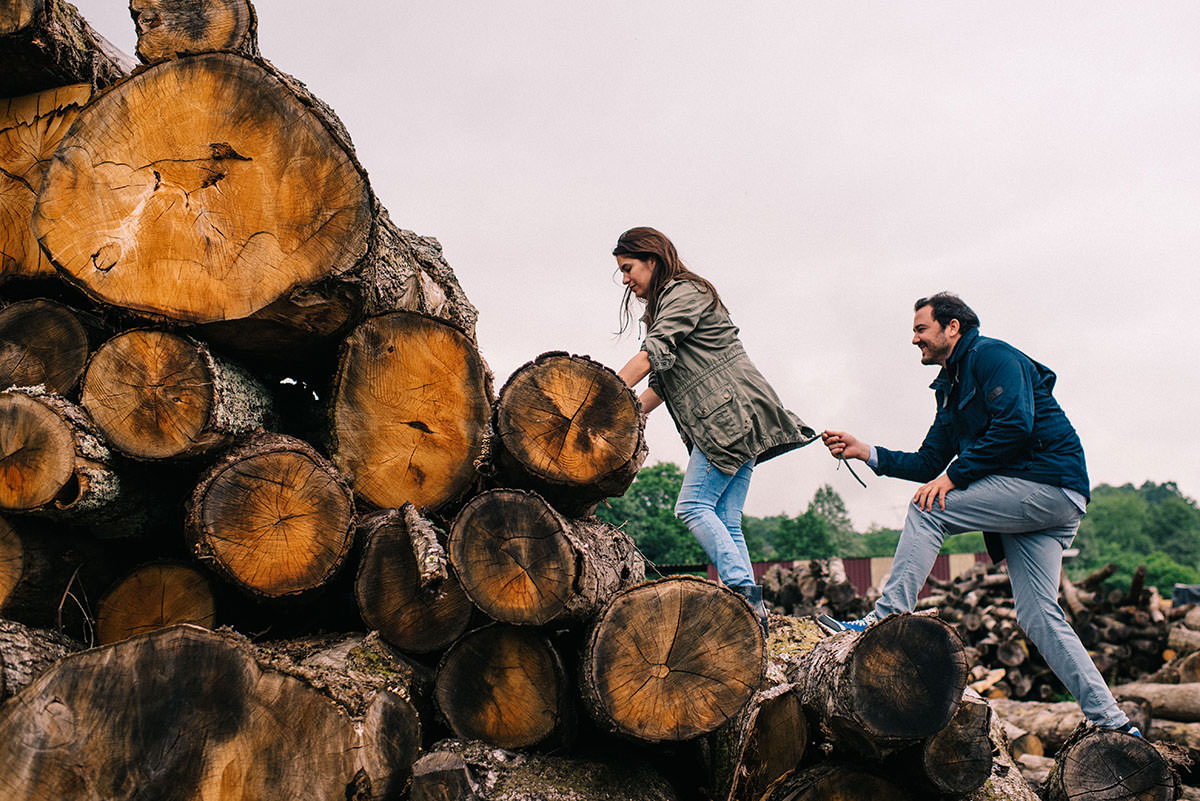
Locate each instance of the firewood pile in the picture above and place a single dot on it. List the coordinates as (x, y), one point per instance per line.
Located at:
(268, 532)
(1129, 632)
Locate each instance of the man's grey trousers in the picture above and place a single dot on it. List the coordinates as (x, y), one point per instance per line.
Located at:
(1036, 523)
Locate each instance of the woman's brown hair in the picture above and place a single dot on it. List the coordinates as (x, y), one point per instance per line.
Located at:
(646, 244)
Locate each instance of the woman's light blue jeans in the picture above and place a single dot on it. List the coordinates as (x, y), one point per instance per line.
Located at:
(710, 505)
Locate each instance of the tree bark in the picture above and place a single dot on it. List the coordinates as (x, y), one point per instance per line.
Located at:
(155, 596)
(522, 562)
(172, 28)
(900, 680)
(410, 410)
(1100, 763)
(31, 128)
(457, 770)
(26, 653)
(764, 741)
(45, 343)
(272, 516)
(185, 712)
(158, 395)
(46, 43)
(506, 686)
(670, 660)
(957, 760)
(569, 428)
(1006, 782)
(413, 614)
(830, 781)
(54, 463)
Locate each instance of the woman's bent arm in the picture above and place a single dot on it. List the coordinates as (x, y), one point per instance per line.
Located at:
(636, 369)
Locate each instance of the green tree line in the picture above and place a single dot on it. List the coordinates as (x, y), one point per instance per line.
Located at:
(1153, 525)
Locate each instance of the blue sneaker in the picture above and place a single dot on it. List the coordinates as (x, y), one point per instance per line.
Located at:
(847, 625)
(1129, 728)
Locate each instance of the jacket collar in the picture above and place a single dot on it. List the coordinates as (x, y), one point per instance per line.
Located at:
(947, 376)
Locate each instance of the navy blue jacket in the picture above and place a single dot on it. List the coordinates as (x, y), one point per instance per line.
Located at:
(996, 414)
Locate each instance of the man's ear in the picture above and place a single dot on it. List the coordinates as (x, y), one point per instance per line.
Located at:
(954, 327)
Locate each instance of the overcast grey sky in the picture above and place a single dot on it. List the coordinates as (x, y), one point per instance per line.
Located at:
(824, 164)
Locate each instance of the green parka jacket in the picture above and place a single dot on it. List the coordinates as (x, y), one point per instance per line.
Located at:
(718, 399)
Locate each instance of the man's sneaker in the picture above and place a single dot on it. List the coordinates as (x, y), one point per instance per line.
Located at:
(1129, 728)
(847, 625)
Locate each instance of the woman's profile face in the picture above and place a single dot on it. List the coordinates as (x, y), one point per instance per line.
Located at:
(636, 274)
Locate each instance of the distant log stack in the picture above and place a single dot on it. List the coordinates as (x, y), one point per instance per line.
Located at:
(273, 517)
(522, 562)
(569, 428)
(46, 43)
(670, 660)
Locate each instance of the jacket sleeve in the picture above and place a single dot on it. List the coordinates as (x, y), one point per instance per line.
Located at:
(1006, 381)
(679, 310)
(927, 462)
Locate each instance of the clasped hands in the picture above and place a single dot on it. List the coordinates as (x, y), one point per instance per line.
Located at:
(843, 445)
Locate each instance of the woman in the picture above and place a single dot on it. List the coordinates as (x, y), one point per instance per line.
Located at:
(728, 415)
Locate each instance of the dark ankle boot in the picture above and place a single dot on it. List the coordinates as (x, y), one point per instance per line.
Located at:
(753, 595)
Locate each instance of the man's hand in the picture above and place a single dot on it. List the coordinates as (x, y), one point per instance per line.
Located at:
(933, 491)
(845, 446)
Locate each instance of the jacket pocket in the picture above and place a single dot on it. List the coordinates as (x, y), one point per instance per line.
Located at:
(972, 414)
(720, 418)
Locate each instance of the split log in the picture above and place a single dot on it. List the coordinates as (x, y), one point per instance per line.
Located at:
(569, 428)
(53, 462)
(957, 760)
(1100, 763)
(457, 770)
(172, 28)
(1006, 782)
(410, 411)
(413, 611)
(670, 660)
(506, 686)
(188, 710)
(522, 562)
(1171, 701)
(31, 128)
(272, 516)
(900, 680)
(835, 782)
(44, 343)
(26, 653)
(767, 739)
(152, 597)
(46, 43)
(158, 395)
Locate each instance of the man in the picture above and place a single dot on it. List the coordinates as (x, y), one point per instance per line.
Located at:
(1002, 458)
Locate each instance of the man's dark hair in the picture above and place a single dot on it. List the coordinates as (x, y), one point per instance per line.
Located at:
(946, 307)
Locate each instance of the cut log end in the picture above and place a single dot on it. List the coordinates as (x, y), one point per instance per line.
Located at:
(907, 674)
(153, 597)
(1113, 766)
(672, 659)
(505, 686)
(273, 516)
(170, 28)
(201, 189)
(37, 454)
